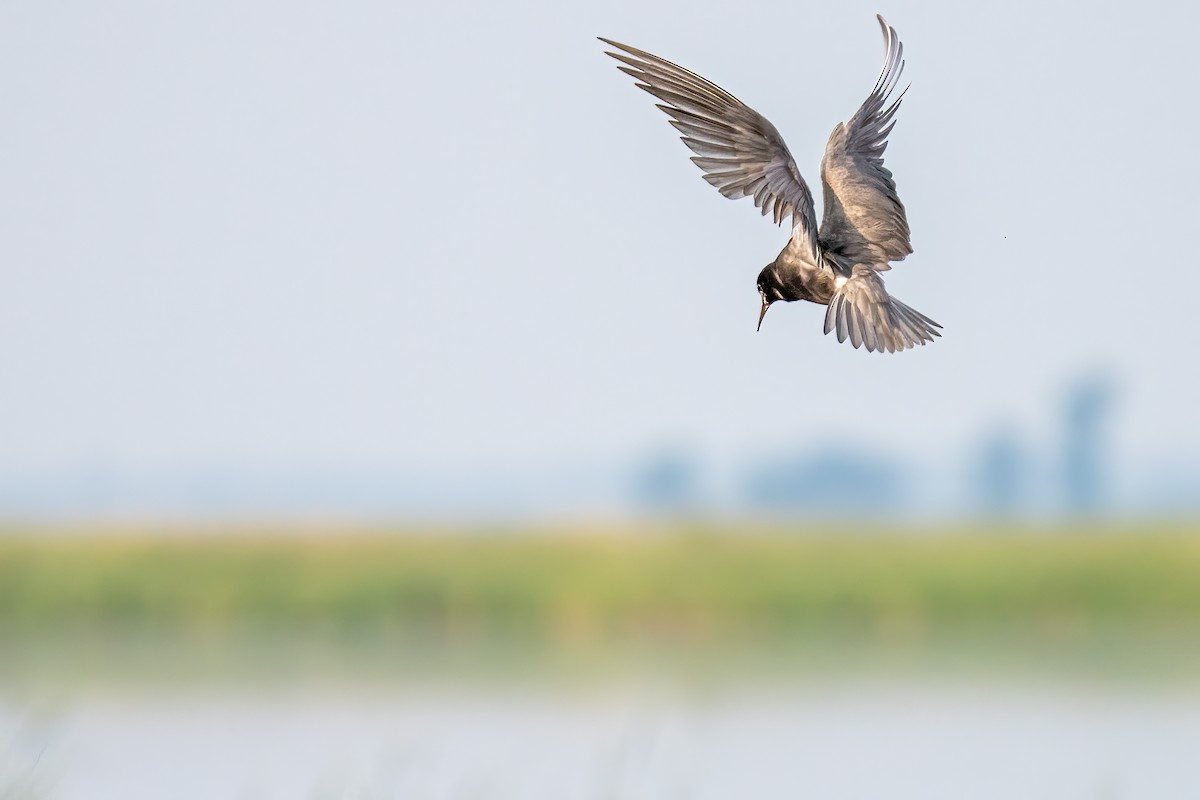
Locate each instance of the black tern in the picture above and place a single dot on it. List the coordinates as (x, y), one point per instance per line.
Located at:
(863, 227)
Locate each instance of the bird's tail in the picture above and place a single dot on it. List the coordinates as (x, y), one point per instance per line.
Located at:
(862, 311)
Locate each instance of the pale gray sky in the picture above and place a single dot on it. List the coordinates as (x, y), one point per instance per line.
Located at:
(385, 235)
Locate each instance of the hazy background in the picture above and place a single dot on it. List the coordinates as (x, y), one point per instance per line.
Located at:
(382, 414)
(436, 245)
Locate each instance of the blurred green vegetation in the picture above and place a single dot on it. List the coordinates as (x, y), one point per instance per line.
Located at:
(682, 587)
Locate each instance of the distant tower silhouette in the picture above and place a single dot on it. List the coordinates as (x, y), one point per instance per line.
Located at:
(1083, 448)
(1001, 473)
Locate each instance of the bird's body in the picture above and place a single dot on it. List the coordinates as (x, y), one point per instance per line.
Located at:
(794, 275)
(863, 227)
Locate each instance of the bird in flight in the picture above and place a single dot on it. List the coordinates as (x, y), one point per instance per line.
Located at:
(864, 226)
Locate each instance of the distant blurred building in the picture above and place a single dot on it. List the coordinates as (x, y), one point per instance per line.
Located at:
(1001, 474)
(1083, 458)
(828, 482)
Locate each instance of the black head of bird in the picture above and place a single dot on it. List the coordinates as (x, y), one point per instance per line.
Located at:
(864, 227)
(769, 289)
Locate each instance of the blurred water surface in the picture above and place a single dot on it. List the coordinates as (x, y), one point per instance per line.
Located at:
(831, 740)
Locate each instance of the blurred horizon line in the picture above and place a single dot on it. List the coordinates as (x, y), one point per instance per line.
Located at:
(999, 474)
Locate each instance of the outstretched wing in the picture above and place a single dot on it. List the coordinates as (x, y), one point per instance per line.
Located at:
(740, 151)
(864, 219)
(862, 311)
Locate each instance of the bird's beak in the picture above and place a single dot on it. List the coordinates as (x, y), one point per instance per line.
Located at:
(766, 304)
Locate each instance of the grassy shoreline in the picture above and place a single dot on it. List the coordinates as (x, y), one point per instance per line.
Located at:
(685, 584)
(399, 597)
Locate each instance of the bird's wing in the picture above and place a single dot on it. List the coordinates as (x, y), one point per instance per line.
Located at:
(864, 219)
(863, 311)
(740, 151)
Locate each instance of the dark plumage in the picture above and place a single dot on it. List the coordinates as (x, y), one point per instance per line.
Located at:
(863, 227)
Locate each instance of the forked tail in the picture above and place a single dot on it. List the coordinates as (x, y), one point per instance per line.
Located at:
(862, 311)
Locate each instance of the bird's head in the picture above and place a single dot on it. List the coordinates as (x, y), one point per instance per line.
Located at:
(768, 289)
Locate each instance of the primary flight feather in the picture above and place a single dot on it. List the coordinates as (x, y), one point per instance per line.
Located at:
(863, 227)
